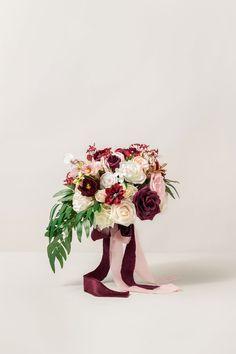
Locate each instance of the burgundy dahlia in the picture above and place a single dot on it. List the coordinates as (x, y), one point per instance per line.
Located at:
(113, 162)
(89, 186)
(147, 203)
(115, 194)
(125, 152)
(101, 153)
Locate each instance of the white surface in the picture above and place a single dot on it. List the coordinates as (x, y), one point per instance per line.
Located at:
(117, 72)
(42, 313)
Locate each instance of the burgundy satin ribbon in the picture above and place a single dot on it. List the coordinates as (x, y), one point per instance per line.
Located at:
(93, 280)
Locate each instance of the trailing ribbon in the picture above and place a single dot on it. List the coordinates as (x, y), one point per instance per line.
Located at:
(122, 264)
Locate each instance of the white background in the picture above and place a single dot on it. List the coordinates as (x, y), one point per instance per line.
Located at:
(119, 72)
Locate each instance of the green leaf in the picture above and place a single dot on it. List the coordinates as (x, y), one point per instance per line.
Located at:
(52, 228)
(79, 231)
(62, 252)
(169, 180)
(68, 211)
(52, 262)
(170, 185)
(91, 219)
(66, 198)
(63, 193)
(168, 190)
(67, 244)
(53, 210)
(97, 207)
(60, 259)
(86, 225)
(62, 210)
(79, 216)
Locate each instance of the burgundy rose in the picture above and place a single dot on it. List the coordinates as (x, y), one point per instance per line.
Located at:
(113, 162)
(115, 194)
(147, 203)
(101, 153)
(89, 186)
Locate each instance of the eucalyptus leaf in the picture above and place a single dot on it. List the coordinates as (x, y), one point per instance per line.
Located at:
(79, 231)
(62, 251)
(52, 262)
(86, 225)
(60, 259)
(53, 210)
(168, 190)
(63, 193)
(66, 198)
(170, 185)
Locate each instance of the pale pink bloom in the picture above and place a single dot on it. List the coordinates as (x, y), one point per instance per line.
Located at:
(157, 184)
(73, 173)
(91, 168)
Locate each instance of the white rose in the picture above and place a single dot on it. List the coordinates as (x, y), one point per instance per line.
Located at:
(81, 202)
(108, 179)
(130, 190)
(103, 218)
(100, 195)
(123, 213)
(132, 172)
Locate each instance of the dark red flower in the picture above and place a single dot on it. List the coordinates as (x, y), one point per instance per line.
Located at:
(89, 186)
(128, 152)
(115, 194)
(125, 152)
(68, 180)
(101, 153)
(113, 162)
(90, 152)
(134, 151)
(147, 203)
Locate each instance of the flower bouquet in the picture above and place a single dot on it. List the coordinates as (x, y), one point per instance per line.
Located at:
(106, 192)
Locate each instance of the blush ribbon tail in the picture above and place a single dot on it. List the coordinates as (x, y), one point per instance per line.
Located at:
(123, 265)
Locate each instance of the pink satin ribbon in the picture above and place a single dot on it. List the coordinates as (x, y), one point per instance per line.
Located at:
(124, 255)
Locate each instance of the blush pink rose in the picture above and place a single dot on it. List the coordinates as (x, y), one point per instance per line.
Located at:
(157, 185)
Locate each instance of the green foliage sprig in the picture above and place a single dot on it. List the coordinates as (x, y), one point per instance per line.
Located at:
(63, 221)
(170, 188)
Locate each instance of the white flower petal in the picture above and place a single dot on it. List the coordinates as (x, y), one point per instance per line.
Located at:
(68, 158)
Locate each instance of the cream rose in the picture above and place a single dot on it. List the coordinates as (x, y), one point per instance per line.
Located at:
(103, 218)
(123, 213)
(141, 161)
(130, 190)
(100, 195)
(108, 179)
(132, 172)
(81, 202)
